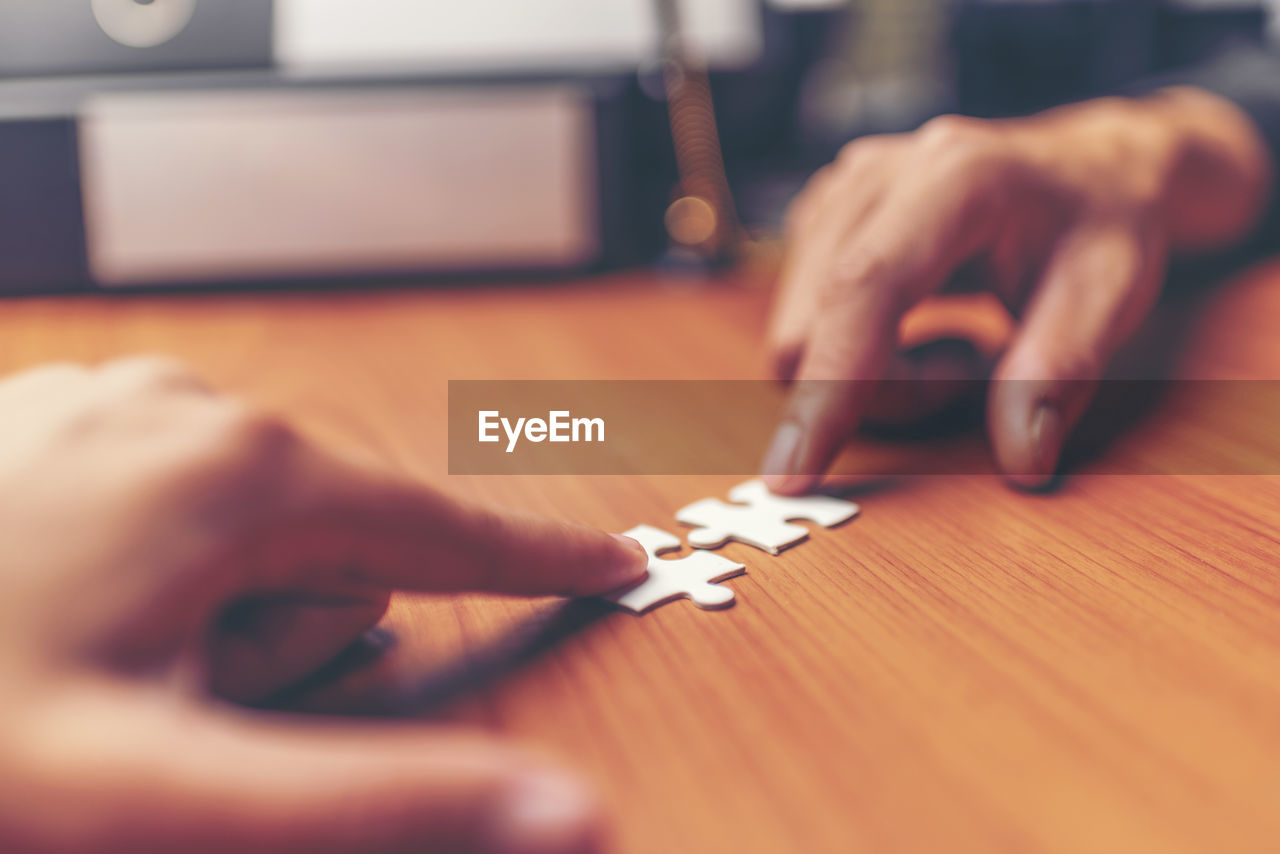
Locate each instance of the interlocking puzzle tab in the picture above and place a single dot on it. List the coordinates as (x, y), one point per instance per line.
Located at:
(692, 577)
(759, 518)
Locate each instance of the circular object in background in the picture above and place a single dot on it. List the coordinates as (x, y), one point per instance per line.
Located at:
(691, 221)
(143, 23)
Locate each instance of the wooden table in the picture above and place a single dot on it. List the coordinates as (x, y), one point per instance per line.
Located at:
(963, 668)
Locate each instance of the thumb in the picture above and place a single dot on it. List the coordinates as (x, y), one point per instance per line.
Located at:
(198, 780)
(1098, 285)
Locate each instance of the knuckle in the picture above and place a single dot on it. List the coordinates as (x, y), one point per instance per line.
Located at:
(819, 180)
(960, 145)
(803, 208)
(1112, 105)
(861, 152)
(859, 271)
(150, 373)
(950, 128)
(233, 443)
(258, 435)
(868, 280)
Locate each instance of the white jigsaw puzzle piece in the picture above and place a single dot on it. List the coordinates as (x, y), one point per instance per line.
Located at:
(760, 518)
(692, 577)
(717, 523)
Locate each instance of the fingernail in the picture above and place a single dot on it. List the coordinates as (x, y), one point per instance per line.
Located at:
(634, 566)
(783, 458)
(542, 812)
(1046, 439)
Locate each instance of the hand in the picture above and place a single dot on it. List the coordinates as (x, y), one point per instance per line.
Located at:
(163, 545)
(1067, 216)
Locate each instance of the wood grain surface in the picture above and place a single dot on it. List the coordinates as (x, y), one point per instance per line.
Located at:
(963, 668)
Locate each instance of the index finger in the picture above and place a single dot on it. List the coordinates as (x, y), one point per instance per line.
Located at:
(350, 523)
(907, 251)
(847, 351)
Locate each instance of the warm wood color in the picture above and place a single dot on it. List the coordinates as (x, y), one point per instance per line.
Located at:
(963, 668)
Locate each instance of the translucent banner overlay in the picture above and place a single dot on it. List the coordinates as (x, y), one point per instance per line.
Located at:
(714, 427)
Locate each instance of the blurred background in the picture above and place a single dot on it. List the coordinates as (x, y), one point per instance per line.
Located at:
(179, 143)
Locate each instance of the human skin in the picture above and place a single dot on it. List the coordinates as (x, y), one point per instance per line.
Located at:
(138, 511)
(1069, 217)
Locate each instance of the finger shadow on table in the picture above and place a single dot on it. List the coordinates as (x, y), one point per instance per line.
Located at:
(1133, 393)
(367, 693)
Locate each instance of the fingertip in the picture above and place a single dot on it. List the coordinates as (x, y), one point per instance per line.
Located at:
(1047, 433)
(785, 362)
(783, 466)
(632, 559)
(621, 562)
(1027, 436)
(807, 440)
(1029, 482)
(631, 544)
(783, 457)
